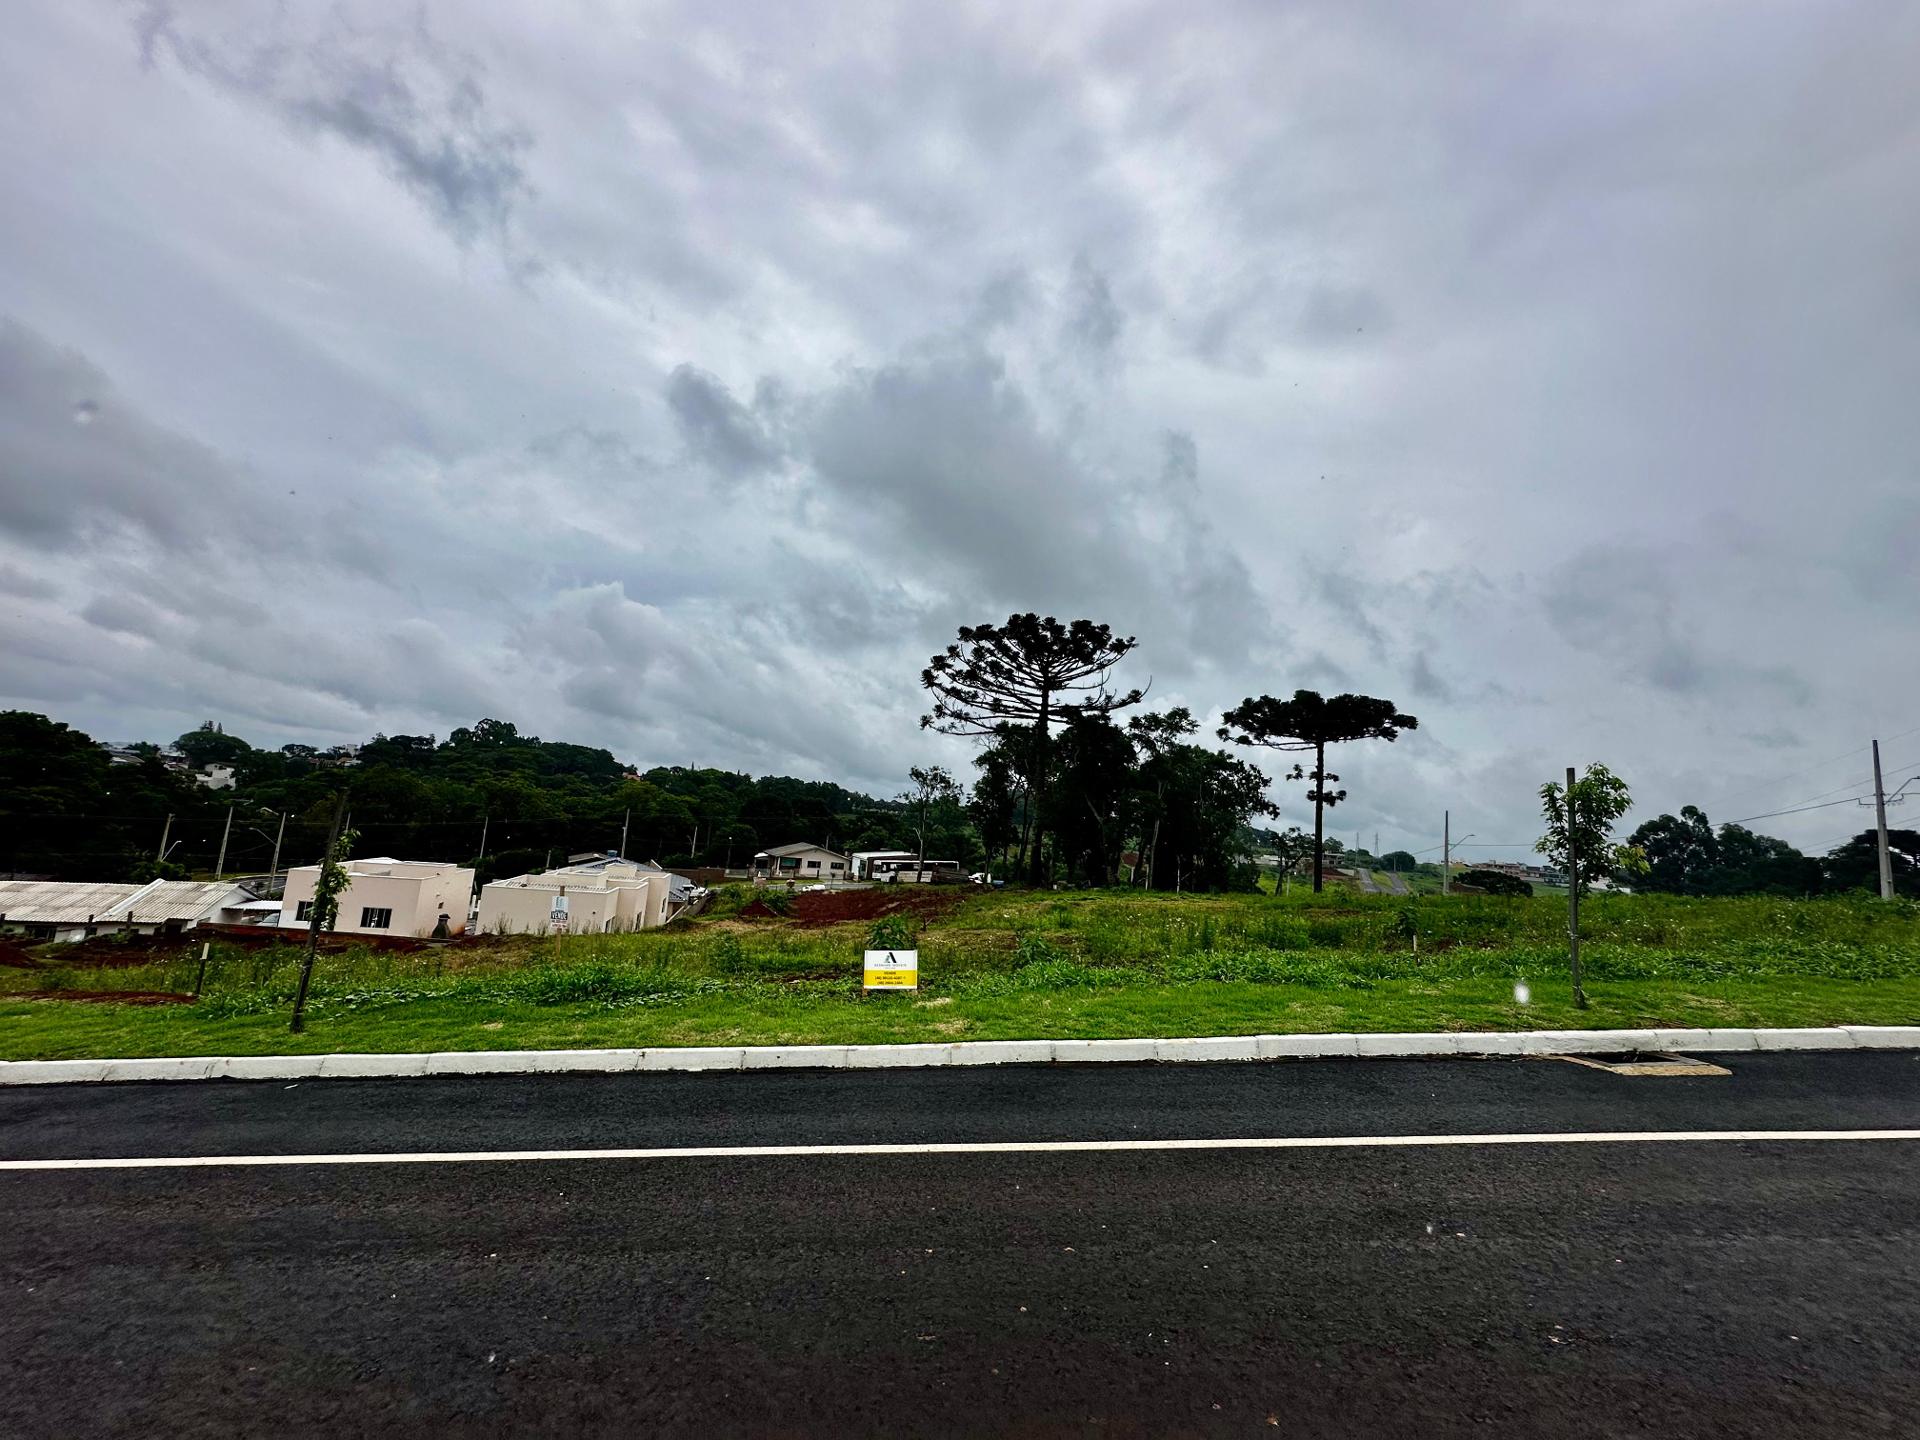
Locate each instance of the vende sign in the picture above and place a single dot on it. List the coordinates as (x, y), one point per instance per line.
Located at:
(892, 970)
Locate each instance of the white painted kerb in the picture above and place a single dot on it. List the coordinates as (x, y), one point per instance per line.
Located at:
(1186, 1050)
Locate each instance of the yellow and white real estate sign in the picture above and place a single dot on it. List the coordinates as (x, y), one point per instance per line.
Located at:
(892, 970)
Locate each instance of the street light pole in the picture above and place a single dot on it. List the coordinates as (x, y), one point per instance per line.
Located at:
(220, 865)
(273, 870)
(1880, 826)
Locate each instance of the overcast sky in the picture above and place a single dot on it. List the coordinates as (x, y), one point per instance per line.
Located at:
(676, 379)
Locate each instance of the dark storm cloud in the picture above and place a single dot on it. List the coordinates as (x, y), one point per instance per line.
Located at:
(1549, 374)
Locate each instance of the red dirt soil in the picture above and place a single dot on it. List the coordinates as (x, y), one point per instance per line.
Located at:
(116, 997)
(837, 907)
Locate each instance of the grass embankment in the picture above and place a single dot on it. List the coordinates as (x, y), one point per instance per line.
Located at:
(1013, 965)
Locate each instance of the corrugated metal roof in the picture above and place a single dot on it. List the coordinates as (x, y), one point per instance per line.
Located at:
(186, 899)
(53, 902)
(73, 902)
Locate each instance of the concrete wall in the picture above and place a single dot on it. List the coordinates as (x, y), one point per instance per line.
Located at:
(417, 895)
(595, 903)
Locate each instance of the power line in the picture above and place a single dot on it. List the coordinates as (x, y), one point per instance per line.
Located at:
(1821, 765)
(1802, 809)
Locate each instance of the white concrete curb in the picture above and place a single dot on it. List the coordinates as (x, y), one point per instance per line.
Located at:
(980, 1052)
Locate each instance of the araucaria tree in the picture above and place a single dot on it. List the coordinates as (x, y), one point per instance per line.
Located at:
(1031, 672)
(1311, 721)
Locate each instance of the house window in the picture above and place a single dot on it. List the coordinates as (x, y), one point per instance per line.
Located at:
(303, 913)
(376, 918)
(813, 864)
(836, 865)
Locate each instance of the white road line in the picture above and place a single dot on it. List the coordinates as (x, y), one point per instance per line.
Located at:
(971, 1147)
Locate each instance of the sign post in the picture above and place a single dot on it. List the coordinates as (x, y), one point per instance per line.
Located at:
(892, 970)
(557, 916)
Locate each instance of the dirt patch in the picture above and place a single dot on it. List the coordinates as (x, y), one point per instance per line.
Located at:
(758, 910)
(820, 908)
(13, 956)
(116, 997)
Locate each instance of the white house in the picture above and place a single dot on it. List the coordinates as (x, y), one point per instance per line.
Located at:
(216, 777)
(800, 861)
(589, 897)
(386, 897)
(75, 909)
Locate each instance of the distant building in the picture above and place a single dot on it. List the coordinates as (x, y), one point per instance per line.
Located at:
(801, 861)
(216, 777)
(864, 861)
(75, 909)
(386, 897)
(594, 895)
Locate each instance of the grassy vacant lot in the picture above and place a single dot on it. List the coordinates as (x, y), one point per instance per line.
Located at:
(1015, 965)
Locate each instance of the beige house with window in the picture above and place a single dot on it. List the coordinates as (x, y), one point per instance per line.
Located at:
(589, 898)
(386, 897)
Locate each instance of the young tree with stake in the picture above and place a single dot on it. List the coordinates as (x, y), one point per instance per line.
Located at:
(1311, 721)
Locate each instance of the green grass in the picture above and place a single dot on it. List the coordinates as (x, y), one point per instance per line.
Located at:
(1014, 965)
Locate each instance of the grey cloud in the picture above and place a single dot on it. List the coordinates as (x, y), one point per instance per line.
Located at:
(1425, 682)
(1093, 320)
(717, 428)
(1340, 314)
(15, 581)
(394, 91)
(123, 613)
(1621, 602)
(63, 483)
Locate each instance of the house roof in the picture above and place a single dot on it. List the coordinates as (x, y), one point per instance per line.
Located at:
(801, 847)
(44, 902)
(74, 902)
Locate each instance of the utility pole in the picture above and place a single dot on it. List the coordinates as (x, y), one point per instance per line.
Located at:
(625, 818)
(1880, 825)
(220, 865)
(1573, 898)
(1446, 852)
(160, 855)
(273, 870)
(485, 820)
(313, 917)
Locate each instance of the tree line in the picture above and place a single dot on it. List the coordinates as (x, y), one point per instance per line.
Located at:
(485, 795)
(1077, 780)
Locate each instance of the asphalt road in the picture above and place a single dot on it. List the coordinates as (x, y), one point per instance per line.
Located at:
(1670, 1289)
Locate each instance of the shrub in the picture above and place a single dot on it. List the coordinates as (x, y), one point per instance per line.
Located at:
(1492, 882)
(1327, 934)
(891, 932)
(1035, 950)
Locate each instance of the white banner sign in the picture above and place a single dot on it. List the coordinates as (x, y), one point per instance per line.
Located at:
(892, 970)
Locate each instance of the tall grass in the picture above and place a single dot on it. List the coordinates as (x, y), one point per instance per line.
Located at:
(1011, 943)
